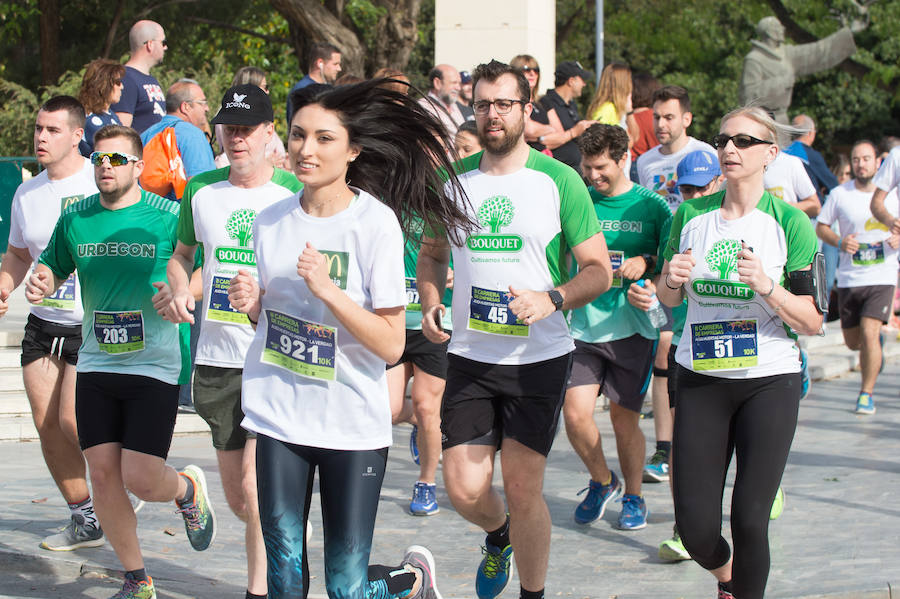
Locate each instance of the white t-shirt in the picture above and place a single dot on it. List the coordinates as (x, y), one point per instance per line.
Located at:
(36, 207)
(220, 216)
(657, 171)
(528, 221)
(888, 174)
(307, 380)
(875, 263)
(787, 179)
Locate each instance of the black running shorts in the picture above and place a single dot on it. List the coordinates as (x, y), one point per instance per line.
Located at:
(429, 357)
(621, 368)
(45, 338)
(872, 301)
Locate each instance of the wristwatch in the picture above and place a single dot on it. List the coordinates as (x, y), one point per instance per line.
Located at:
(649, 262)
(556, 297)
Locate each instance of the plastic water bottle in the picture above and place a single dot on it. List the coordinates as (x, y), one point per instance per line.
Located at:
(656, 314)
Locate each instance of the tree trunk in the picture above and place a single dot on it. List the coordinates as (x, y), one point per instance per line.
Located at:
(113, 27)
(49, 25)
(312, 22)
(398, 33)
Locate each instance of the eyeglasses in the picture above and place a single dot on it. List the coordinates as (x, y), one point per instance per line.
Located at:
(203, 102)
(501, 106)
(115, 158)
(741, 141)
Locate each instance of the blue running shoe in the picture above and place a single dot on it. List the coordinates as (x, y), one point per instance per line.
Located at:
(593, 506)
(804, 374)
(634, 512)
(494, 572)
(865, 404)
(424, 500)
(657, 468)
(414, 445)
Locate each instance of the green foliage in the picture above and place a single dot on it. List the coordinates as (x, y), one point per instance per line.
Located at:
(496, 212)
(722, 257)
(240, 226)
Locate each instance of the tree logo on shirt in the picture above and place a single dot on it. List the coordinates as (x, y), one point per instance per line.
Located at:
(722, 260)
(495, 213)
(239, 227)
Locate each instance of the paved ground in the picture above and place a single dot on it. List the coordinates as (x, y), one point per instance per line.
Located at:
(838, 537)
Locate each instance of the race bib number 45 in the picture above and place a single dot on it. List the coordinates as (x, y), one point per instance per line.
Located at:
(489, 313)
(724, 345)
(119, 332)
(301, 347)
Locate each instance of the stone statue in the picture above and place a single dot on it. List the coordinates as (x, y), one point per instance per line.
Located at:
(771, 67)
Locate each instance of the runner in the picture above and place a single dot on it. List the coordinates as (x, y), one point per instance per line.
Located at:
(510, 354)
(131, 360)
(53, 332)
(218, 210)
(739, 375)
(867, 270)
(614, 342)
(314, 387)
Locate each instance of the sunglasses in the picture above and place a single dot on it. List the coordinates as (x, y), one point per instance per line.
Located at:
(741, 141)
(534, 69)
(115, 158)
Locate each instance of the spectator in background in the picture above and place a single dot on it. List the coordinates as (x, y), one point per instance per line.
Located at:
(324, 66)
(642, 87)
(819, 173)
(275, 152)
(465, 95)
(142, 102)
(400, 83)
(537, 125)
(612, 103)
(442, 95)
(101, 87)
(887, 143)
(559, 102)
(840, 168)
(467, 142)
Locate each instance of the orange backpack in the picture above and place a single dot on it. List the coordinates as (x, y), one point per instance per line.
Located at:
(163, 167)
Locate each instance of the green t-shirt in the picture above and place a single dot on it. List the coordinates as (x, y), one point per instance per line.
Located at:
(679, 313)
(118, 255)
(633, 224)
(414, 307)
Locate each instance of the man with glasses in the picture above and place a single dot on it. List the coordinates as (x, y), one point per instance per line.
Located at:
(142, 103)
(186, 108)
(131, 360)
(562, 111)
(53, 332)
(511, 352)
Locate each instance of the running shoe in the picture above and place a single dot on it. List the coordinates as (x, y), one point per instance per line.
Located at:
(419, 558)
(424, 501)
(804, 374)
(657, 468)
(865, 404)
(598, 497)
(414, 444)
(634, 512)
(136, 502)
(136, 589)
(777, 505)
(723, 594)
(199, 518)
(74, 536)
(672, 549)
(494, 571)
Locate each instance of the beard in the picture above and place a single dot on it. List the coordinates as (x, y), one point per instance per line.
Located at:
(504, 144)
(864, 181)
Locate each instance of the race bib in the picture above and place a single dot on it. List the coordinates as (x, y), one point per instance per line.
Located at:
(412, 295)
(489, 313)
(724, 345)
(616, 257)
(303, 348)
(64, 297)
(119, 332)
(869, 254)
(219, 308)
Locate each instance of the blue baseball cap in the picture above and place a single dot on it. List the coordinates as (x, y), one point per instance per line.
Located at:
(697, 168)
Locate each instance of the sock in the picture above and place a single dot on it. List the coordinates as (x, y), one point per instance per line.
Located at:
(189, 493)
(137, 575)
(399, 581)
(84, 511)
(523, 594)
(607, 481)
(665, 446)
(500, 537)
(250, 595)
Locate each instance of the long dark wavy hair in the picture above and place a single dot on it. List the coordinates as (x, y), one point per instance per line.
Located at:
(406, 158)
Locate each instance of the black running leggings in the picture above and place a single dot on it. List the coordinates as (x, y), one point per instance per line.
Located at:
(755, 419)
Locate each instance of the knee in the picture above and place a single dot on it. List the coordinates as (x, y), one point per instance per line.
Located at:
(104, 477)
(625, 423)
(138, 484)
(522, 493)
(427, 409)
(576, 417)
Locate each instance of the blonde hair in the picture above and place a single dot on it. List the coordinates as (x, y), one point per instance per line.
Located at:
(615, 85)
(527, 60)
(758, 115)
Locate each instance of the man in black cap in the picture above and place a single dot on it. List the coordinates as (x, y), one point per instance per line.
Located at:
(571, 79)
(217, 211)
(465, 95)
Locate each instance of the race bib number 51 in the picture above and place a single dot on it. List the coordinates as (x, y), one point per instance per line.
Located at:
(724, 345)
(489, 313)
(119, 332)
(301, 347)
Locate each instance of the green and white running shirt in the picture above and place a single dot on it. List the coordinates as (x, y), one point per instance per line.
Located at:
(730, 331)
(220, 216)
(414, 305)
(633, 224)
(529, 219)
(119, 254)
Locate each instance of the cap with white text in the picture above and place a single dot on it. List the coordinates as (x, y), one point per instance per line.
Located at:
(245, 104)
(697, 168)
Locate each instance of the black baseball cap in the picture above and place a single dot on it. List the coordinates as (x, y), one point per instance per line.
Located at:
(572, 68)
(245, 104)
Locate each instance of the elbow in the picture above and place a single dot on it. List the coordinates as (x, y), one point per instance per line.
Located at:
(393, 349)
(811, 326)
(606, 279)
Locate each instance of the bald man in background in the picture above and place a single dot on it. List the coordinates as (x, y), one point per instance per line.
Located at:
(143, 102)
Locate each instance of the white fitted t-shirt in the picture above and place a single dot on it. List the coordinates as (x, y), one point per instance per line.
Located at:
(36, 207)
(888, 174)
(657, 171)
(220, 216)
(875, 263)
(307, 380)
(787, 179)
